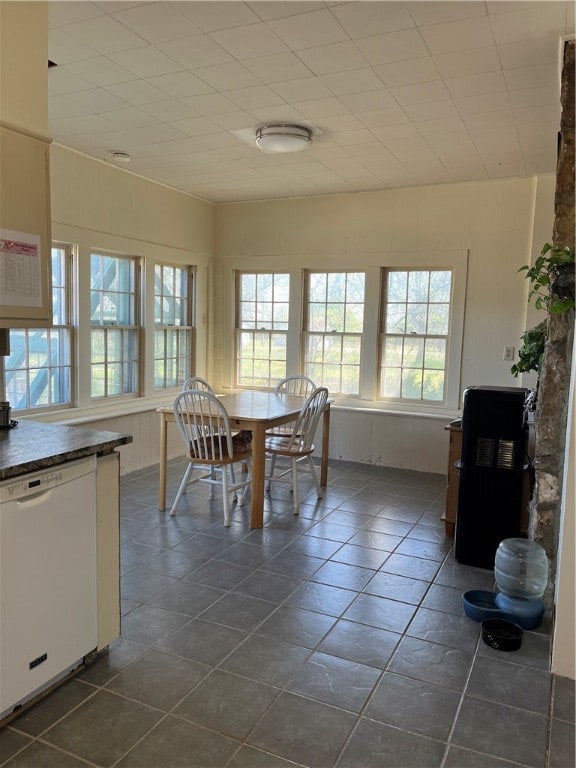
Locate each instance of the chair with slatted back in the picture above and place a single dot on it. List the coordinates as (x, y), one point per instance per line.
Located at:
(299, 386)
(298, 446)
(195, 382)
(205, 429)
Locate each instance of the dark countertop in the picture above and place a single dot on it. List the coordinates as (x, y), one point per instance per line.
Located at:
(33, 445)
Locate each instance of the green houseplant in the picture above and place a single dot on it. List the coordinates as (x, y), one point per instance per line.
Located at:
(552, 285)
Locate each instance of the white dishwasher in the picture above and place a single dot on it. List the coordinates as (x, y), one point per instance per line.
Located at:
(48, 588)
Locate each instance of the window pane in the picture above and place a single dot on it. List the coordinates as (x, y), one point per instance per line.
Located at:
(317, 287)
(316, 317)
(418, 286)
(248, 287)
(281, 288)
(440, 286)
(397, 286)
(354, 318)
(335, 317)
(416, 318)
(415, 334)
(172, 332)
(438, 317)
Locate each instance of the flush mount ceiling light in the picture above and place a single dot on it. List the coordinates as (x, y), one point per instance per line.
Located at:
(280, 138)
(121, 157)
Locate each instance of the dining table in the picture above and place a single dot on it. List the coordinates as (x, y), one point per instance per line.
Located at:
(256, 411)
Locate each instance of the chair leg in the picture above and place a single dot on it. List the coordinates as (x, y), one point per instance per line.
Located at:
(319, 492)
(295, 486)
(182, 488)
(272, 467)
(233, 479)
(225, 497)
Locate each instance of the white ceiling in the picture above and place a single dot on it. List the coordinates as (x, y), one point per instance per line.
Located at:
(398, 94)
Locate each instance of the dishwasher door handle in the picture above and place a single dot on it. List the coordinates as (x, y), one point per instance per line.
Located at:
(36, 498)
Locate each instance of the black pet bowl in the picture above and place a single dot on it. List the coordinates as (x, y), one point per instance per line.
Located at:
(501, 634)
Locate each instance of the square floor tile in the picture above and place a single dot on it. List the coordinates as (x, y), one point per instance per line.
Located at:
(342, 575)
(509, 683)
(335, 681)
(292, 563)
(149, 624)
(186, 597)
(117, 656)
(413, 705)
(297, 625)
(39, 755)
(239, 611)
(432, 663)
(365, 557)
(360, 643)
(47, 711)
(11, 742)
(86, 732)
(180, 744)
(564, 689)
(374, 745)
(302, 730)
(203, 641)
(227, 703)
(323, 598)
(159, 679)
(380, 612)
(466, 758)
(506, 732)
(562, 740)
(266, 660)
(249, 757)
(403, 588)
(268, 586)
(413, 568)
(219, 574)
(445, 628)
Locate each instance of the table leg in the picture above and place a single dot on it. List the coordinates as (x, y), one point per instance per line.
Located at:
(258, 473)
(325, 447)
(163, 458)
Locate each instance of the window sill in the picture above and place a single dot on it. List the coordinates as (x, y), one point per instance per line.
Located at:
(100, 412)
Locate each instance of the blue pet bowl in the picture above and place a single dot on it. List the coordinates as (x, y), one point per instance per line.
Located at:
(479, 604)
(526, 613)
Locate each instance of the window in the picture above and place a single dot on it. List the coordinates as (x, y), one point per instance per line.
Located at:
(114, 332)
(261, 328)
(173, 331)
(414, 339)
(38, 371)
(334, 326)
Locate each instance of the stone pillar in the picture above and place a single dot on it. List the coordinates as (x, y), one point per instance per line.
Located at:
(554, 388)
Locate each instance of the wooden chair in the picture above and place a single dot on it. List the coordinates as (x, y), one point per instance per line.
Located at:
(195, 382)
(205, 428)
(298, 445)
(300, 386)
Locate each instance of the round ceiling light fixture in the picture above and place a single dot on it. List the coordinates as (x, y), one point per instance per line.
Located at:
(281, 137)
(121, 157)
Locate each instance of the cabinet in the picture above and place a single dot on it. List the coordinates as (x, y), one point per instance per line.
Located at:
(450, 515)
(25, 274)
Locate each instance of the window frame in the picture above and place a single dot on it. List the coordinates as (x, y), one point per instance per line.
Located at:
(188, 328)
(107, 328)
(239, 330)
(384, 334)
(67, 327)
(342, 335)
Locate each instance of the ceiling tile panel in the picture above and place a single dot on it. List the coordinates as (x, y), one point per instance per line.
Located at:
(63, 13)
(354, 81)
(156, 22)
(277, 69)
(100, 71)
(366, 19)
(254, 97)
(61, 80)
(302, 90)
(338, 57)
(537, 21)
(131, 118)
(250, 41)
(440, 125)
(471, 62)
(488, 102)
(525, 53)
(66, 106)
(146, 62)
(395, 46)
(137, 92)
(104, 34)
(369, 101)
(425, 12)
(180, 85)
(170, 110)
(209, 104)
(197, 51)
(476, 85)
(458, 35)
(431, 110)
(381, 117)
(210, 17)
(532, 77)
(408, 72)
(420, 93)
(308, 30)
(322, 108)
(63, 48)
(100, 100)
(227, 77)
(278, 9)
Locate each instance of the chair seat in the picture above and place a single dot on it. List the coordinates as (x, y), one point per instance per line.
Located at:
(198, 455)
(286, 446)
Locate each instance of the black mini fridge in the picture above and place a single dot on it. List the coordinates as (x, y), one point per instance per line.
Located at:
(494, 443)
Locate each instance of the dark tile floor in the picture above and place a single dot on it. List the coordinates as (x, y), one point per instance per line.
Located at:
(335, 638)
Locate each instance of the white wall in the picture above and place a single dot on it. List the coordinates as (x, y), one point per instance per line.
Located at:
(492, 220)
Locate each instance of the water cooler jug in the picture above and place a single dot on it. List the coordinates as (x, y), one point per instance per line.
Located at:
(494, 437)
